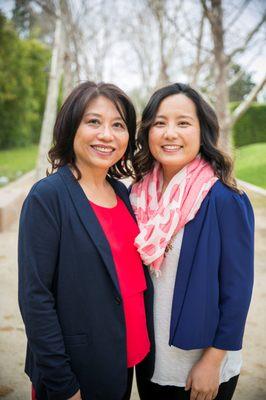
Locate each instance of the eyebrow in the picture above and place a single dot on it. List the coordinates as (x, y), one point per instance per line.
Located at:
(99, 115)
(185, 116)
(179, 117)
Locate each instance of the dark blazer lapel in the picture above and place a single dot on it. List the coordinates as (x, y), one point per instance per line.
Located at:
(89, 221)
(191, 236)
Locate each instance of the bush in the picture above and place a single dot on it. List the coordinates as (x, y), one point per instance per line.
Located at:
(251, 127)
(23, 84)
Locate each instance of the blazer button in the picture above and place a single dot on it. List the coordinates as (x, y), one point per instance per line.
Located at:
(118, 300)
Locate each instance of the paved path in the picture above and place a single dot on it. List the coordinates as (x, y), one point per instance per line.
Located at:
(14, 384)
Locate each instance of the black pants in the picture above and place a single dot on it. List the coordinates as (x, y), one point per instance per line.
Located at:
(149, 390)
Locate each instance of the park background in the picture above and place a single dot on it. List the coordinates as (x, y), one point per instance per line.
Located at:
(49, 46)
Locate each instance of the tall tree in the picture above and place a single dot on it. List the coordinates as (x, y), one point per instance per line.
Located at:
(222, 60)
(51, 99)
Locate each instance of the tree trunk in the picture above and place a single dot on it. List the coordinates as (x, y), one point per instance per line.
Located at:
(221, 89)
(67, 76)
(51, 103)
(163, 78)
(66, 61)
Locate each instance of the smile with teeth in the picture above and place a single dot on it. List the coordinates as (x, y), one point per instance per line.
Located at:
(171, 147)
(103, 149)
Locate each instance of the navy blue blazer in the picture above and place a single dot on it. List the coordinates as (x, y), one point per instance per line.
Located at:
(215, 273)
(69, 294)
(214, 278)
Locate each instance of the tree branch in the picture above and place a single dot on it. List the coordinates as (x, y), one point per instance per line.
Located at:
(237, 14)
(251, 34)
(47, 9)
(198, 63)
(242, 108)
(243, 69)
(183, 35)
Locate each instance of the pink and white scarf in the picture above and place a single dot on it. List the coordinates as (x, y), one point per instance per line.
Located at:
(160, 215)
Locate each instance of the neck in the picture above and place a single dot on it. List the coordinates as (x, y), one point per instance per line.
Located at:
(96, 177)
(168, 174)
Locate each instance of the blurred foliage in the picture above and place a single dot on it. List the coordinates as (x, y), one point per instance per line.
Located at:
(23, 17)
(139, 100)
(32, 22)
(251, 127)
(24, 66)
(242, 86)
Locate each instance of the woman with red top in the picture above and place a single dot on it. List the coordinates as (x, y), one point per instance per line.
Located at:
(81, 280)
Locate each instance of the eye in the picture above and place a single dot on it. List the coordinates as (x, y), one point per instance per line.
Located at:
(183, 123)
(158, 123)
(93, 121)
(119, 125)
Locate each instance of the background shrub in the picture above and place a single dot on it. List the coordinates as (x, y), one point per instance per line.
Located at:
(24, 66)
(251, 127)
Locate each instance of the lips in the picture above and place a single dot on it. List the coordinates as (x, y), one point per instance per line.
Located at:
(169, 148)
(103, 149)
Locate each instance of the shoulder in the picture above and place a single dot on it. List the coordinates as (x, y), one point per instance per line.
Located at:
(46, 189)
(41, 208)
(43, 203)
(228, 200)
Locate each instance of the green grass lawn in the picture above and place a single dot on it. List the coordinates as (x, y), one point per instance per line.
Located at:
(15, 162)
(251, 164)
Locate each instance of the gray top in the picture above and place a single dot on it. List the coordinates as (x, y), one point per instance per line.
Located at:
(172, 365)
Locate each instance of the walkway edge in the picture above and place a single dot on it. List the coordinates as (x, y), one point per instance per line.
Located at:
(12, 197)
(253, 188)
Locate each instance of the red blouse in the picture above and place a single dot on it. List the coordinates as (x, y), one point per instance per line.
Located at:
(121, 229)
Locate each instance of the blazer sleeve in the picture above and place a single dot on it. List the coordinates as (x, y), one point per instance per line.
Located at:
(236, 223)
(38, 247)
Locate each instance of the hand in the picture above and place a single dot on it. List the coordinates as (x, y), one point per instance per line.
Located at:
(77, 396)
(203, 380)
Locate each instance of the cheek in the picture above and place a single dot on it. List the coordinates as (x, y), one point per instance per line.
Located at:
(195, 146)
(123, 141)
(76, 143)
(153, 142)
(193, 142)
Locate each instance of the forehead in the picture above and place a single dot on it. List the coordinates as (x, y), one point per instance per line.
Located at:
(177, 103)
(102, 104)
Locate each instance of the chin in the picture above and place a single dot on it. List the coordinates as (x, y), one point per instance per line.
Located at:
(173, 163)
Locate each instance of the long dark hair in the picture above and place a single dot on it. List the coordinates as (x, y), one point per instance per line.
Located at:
(209, 131)
(70, 116)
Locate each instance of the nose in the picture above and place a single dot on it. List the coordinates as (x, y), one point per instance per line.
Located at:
(171, 132)
(106, 133)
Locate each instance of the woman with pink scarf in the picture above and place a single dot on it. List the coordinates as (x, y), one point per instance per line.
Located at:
(196, 238)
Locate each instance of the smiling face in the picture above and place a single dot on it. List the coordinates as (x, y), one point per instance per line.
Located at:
(174, 137)
(102, 136)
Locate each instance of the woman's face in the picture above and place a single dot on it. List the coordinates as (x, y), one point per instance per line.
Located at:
(102, 136)
(174, 138)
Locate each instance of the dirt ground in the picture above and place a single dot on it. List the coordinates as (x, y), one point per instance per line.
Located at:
(14, 384)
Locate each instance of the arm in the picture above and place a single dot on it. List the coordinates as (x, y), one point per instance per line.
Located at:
(236, 222)
(236, 271)
(39, 236)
